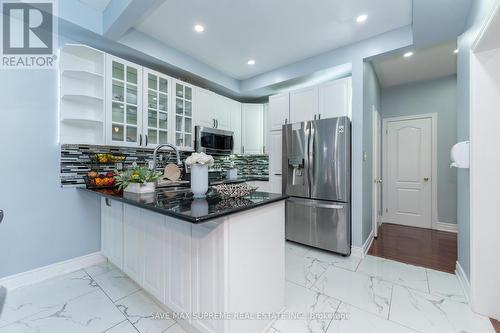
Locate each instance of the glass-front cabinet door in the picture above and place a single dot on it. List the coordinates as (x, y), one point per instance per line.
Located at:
(123, 103)
(183, 123)
(156, 108)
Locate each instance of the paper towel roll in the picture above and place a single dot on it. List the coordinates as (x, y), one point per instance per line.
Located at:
(460, 155)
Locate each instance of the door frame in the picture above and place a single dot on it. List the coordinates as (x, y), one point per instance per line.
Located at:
(376, 166)
(434, 121)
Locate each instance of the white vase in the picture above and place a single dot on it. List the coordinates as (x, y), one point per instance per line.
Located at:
(140, 187)
(199, 180)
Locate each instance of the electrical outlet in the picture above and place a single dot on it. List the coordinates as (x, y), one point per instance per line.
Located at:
(151, 165)
(119, 166)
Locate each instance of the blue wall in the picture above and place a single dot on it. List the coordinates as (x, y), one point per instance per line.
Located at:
(479, 12)
(43, 223)
(371, 98)
(439, 96)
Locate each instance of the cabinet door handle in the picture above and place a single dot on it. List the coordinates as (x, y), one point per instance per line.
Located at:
(216, 123)
(108, 202)
(1, 216)
(286, 121)
(319, 116)
(213, 123)
(140, 139)
(243, 149)
(146, 140)
(314, 117)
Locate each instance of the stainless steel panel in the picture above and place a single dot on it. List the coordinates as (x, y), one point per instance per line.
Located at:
(213, 141)
(330, 159)
(322, 224)
(296, 159)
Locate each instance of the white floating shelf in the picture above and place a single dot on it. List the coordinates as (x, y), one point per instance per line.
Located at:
(82, 74)
(83, 98)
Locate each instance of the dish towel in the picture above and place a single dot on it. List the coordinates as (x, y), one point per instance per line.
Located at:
(3, 296)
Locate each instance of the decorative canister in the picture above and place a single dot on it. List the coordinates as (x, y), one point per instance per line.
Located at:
(199, 180)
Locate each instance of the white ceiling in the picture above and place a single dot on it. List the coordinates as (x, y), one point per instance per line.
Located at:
(99, 5)
(425, 64)
(273, 32)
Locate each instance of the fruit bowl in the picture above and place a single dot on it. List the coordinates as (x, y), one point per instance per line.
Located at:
(94, 180)
(235, 190)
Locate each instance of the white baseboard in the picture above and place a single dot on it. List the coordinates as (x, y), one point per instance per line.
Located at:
(43, 273)
(360, 252)
(443, 226)
(464, 281)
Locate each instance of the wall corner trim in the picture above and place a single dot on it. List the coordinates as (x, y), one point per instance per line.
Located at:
(463, 280)
(47, 272)
(361, 252)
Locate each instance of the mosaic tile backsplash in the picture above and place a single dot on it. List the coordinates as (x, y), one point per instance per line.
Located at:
(76, 162)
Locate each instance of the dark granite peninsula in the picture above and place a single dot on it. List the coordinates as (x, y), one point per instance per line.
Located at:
(182, 205)
(201, 256)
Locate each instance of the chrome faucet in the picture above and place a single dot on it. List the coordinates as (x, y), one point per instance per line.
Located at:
(155, 153)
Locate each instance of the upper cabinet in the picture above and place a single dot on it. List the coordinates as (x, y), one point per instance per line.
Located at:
(156, 115)
(335, 98)
(213, 110)
(184, 125)
(124, 103)
(235, 117)
(279, 111)
(82, 92)
(303, 104)
(204, 106)
(252, 138)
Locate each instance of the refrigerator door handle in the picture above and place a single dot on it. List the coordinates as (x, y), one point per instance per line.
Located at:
(315, 204)
(310, 159)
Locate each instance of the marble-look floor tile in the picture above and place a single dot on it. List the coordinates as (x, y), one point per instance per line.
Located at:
(116, 284)
(123, 327)
(367, 292)
(99, 269)
(435, 314)
(389, 270)
(24, 302)
(175, 329)
(296, 248)
(350, 319)
(302, 270)
(314, 309)
(326, 259)
(91, 313)
(445, 284)
(139, 308)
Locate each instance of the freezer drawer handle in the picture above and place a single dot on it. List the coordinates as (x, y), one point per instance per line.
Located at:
(315, 204)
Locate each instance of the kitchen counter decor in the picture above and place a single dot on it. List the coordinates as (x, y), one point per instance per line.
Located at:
(199, 163)
(235, 190)
(139, 179)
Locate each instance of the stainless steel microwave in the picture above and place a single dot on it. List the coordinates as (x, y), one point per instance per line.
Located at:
(213, 141)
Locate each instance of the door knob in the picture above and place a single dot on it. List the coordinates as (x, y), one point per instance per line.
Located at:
(426, 179)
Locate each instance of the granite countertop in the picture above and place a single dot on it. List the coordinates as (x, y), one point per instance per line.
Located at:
(183, 206)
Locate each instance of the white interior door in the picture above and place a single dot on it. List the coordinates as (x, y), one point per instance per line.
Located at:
(376, 170)
(409, 169)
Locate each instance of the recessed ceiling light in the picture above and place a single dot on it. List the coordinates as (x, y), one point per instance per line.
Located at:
(456, 51)
(251, 62)
(361, 18)
(408, 54)
(199, 28)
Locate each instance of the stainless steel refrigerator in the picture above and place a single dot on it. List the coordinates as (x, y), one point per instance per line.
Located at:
(317, 176)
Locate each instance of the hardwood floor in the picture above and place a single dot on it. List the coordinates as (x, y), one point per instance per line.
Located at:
(421, 247)
(496, 325)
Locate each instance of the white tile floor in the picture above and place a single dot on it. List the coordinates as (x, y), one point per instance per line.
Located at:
(335, 294)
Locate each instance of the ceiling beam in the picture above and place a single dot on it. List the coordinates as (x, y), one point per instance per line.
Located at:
(121, 15)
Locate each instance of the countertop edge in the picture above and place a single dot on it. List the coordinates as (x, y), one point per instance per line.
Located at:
(194, 220)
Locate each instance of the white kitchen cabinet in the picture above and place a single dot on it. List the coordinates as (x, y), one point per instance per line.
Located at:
(279, 111)
(155, 258)
(275, 152)
(265, 127)
(183, 124)
(335, 98)
(179, 279)
(123, 103)
(133, 243)
(252, 128)
(156, 111)
(204, 106)
(221, 112)
(303, 104)
(112, 231)
(208, 274)
(235, 115)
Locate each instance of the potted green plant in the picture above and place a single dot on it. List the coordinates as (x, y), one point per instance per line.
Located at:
(139, 179)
